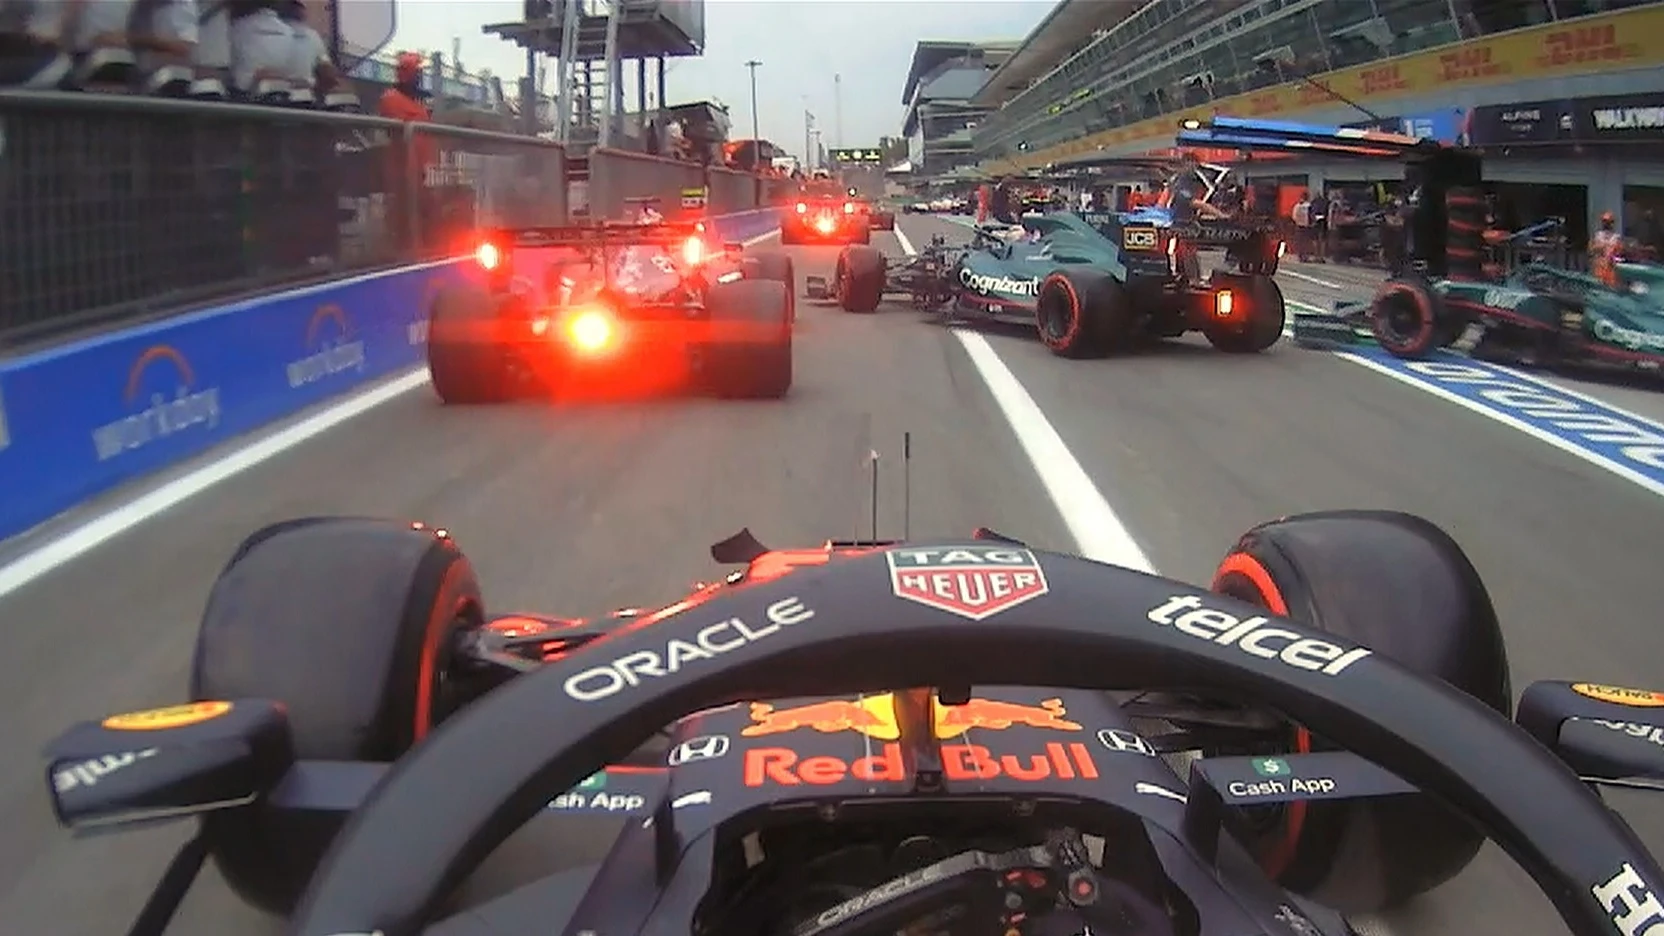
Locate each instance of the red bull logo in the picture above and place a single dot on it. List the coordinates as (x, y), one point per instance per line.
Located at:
(976, 582)
(785, 767)
(875, 717)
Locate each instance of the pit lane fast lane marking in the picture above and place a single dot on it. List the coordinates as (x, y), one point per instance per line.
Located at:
(60, 549)
(1609, 437)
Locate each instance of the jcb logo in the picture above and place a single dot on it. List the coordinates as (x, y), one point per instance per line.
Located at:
(1139, 238)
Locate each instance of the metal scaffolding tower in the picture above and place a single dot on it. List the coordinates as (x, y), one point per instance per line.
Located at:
(591, 41)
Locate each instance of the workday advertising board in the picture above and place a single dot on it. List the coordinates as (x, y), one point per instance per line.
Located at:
(85, 417)
(82, 418)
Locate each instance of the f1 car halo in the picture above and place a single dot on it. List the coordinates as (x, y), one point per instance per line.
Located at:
(363, 735)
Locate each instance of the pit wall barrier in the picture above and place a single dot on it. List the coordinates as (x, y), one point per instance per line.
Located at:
(80, 419)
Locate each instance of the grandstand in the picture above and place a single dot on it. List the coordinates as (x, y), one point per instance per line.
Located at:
(1155, 62)
(941, 81)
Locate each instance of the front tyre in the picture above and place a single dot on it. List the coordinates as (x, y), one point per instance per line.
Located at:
(1399, 585)
(1409, 320)
(1082, 313)
(351, 624)
(861, 277)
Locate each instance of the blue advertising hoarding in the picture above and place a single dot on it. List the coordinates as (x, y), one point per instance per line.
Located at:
(82, 418)
(1446, 125)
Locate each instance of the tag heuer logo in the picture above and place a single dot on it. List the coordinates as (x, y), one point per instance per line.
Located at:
(975, 582)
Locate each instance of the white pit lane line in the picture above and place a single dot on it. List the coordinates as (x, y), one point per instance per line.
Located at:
(1559, 441)
(1098, 531)
(61, 549)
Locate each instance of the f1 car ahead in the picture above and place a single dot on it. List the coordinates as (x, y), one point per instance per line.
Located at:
(330, 647)
(1089, 289)
(826, 214)
(555, 306)
(1537, 313)
(1200, 207)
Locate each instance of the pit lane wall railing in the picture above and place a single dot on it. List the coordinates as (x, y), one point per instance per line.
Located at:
(175, 274)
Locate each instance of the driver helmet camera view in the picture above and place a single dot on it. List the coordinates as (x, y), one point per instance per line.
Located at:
(1337, 697)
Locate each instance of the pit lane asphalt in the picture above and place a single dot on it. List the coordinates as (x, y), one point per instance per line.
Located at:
(585, 508)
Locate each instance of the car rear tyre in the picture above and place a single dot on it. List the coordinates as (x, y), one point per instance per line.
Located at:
(1082, 313)
(861, 274)
(349, 623)
(467, 362)
(1401, 586)
(750, 356)
(1409, 320)
(1263, 321)
(776, 266)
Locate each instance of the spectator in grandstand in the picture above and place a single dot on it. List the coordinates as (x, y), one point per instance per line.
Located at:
(262, 50)
(211, 59)
(164, 36)
(35, 44)
(311, 69)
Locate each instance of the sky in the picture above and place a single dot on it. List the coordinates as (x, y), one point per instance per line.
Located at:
(802, 45)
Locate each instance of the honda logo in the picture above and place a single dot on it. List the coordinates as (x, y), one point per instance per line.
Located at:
(1118, 740)
(707, 747)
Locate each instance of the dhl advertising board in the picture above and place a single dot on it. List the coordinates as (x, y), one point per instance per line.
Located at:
(81, 418)
(1590, 45)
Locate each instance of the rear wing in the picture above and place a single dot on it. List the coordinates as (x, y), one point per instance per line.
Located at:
(1289, 137)
(605, 234)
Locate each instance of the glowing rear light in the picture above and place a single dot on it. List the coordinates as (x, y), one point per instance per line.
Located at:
(824, 225)
(693, 251)
(1224, 303)
(1282, 249)
(488, 256)
(1172, 247)
(849, 207)
(802, 208)
(590, 330)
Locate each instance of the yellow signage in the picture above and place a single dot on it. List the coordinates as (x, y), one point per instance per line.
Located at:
(1610, 41)
(1619, 695)
(161, 719)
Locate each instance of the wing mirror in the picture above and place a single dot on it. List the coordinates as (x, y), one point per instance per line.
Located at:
(1607, 734)
(168, 763)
